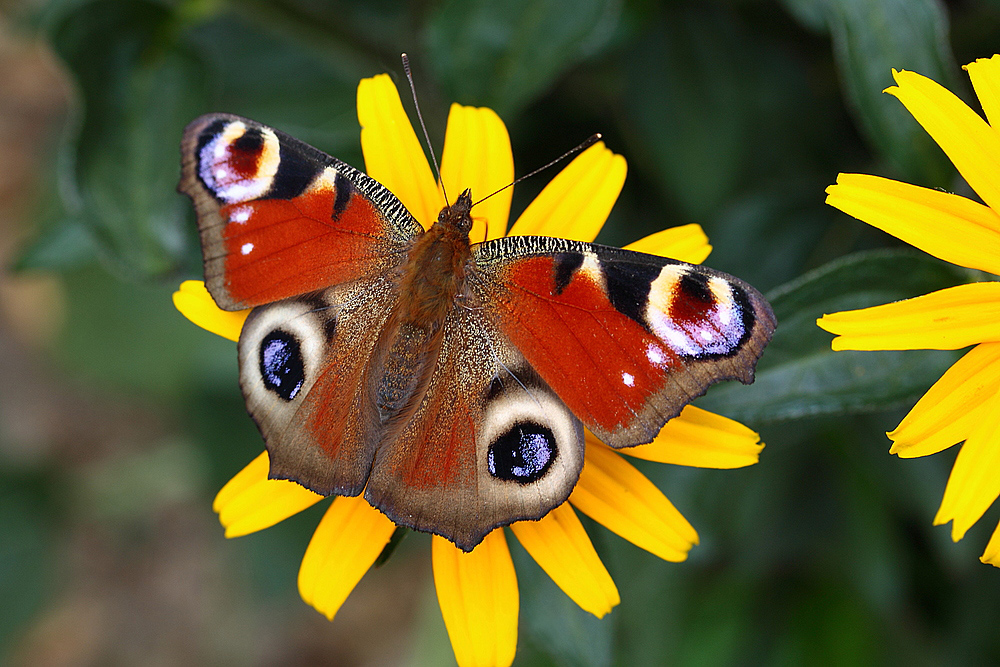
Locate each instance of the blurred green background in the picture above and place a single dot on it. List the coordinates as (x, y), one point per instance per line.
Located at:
(120, 420)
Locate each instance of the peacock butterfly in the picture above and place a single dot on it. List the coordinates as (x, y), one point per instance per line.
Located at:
(448, 381)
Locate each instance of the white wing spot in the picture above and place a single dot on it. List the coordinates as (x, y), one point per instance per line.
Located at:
(247, 247)
(655, 354)
(628, 379)
(706, 335)
(220, 174)
(240, 215)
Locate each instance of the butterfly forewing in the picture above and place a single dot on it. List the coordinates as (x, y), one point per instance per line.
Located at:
(624, 338)
(279, 218)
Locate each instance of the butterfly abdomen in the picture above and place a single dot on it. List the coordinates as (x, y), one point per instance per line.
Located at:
(409, 346)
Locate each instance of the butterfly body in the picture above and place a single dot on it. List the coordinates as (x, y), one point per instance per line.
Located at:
(448, 381)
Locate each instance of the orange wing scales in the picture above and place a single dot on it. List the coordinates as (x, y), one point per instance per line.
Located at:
(625, 339)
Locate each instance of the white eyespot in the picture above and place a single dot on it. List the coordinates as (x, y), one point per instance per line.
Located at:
(229, 186)
(628, 379)
(241, 214)
(706, 335)
(247, 247)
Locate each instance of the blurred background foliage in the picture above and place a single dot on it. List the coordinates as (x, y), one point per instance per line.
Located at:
(120, 419)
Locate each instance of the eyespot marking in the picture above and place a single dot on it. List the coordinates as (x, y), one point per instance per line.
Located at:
(523, 454)
(281, 364)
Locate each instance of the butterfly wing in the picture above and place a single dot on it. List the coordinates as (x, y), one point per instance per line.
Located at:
(491, 442)
(625, 339)
(302, 370)
(279, 218)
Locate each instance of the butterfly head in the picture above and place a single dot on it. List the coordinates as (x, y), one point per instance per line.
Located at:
(457, 216)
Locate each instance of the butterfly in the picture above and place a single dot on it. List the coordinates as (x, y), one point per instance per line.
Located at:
(448, 381)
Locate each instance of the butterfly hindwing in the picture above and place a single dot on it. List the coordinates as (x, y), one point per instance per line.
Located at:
(302, 368)
(625, 339)
(490, 443)
(279, 218)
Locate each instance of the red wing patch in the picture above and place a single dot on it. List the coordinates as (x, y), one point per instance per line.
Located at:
(625, 339)
(279, 218)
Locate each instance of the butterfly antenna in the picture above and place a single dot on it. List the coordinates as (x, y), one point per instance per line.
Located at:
(590, 141)
(413, 90)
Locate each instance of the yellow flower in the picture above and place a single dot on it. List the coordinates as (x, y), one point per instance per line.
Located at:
(477, 591)
(964, 404)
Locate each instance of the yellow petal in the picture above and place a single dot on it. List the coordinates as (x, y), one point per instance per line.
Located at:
(947, 413)
(974, 482)
(576, 203)
(971, 144)
(948, 319)
(953, 228)
(195, 303)
(478, 595)
(477, 155)
(992, 554)
(560, 545)
(393, 154)
(985, 75)
(700, 439)
(613, 493)
(688, 243)
(250, 501)
(347, 541)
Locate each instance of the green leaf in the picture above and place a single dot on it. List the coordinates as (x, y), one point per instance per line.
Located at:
(505, 54)
(799, 375)
(28, 548)
(689, 105)
(64, 245)
(870, 38)
(138, 89)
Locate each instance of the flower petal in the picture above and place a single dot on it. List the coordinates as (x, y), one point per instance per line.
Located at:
(970, 143)
(393, 155)
(559, 544)
(576, 203)
(346, 543)
(947, 413)
(992, 553)
(613, 493)
(477, 155)
(478, 595)
(948, 319)
(688, 243)
(250, 501)
(195, 303)
(974, 482)
(985, 75)
(953, 228)
(700, 439)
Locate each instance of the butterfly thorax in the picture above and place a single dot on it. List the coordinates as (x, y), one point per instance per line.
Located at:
(408, 346)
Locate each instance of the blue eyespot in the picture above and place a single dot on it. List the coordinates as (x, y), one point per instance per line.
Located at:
(281, 364)
(523, 454)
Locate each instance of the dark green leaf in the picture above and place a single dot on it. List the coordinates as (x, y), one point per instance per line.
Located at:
(504, 54)
(799, 375)
(64, 245)
(138, 90)
(870, 39)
